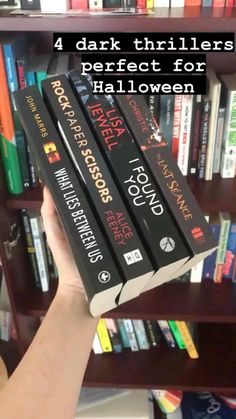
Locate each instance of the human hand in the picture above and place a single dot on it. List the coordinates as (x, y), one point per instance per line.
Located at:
(69, 277)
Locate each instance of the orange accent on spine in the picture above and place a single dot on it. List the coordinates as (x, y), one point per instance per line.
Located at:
(6, 127)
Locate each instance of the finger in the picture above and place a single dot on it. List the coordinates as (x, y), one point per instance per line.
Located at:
(48, 203)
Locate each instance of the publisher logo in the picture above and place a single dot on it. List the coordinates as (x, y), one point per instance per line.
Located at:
(133, 257)
(104, 277)
(167, 244)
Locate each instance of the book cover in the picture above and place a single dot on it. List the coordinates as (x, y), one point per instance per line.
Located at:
(228, 101)
(177, 335)
(184, 135)
(193, 3)
(14, 46)
(141, 4)
(154, 105)
(224, 219)
(20, 65)
(60, 6)
(131, 335)
(30, 76)
(40, 251)
(114, 335)
(166, 120)
(205, 405)
(176, 3)
(209, 262)
(141, 334)
(103, 336)
(49, 257)
(99, 274)
(229, 4)
(30, 4)
(230, 256)
(195, 135)
(234, 272)
(183, 205)
(38, 240)
(8, 148)
(79, 4)
(95, 4)
(97, 348)
(219, 140)
(197, 270)
(184, 278)
(167, 333)
(106, 200)
(204, 135)
(214, 89)
(187, 333)
(153, 219)
(37, 68)
(30, 246)
(108, 4)
(176, 125)
(153, 333)
(218, 3)
(123, 333)
(30, 80)
(161, 3)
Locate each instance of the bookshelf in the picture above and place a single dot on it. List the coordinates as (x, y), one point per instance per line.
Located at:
(213, 307)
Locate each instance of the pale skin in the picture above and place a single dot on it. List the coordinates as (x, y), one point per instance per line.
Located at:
(47, 382)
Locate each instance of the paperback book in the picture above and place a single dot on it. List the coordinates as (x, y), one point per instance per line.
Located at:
(106, 201)
(183, 205)
(100, 276)
(167, 250)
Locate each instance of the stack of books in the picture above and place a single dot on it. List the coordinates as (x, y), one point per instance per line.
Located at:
(129, 214)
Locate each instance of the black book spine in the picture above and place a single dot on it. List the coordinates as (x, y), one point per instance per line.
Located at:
(131, 172)
(105, 197)
(166, 120)
(153, 333)
(95, 263)
(204, 139)
(109, 4)
(174, 186)
(30, 246)
(30, 4)
(195, 135)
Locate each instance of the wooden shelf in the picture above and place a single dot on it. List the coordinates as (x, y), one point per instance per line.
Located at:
(172, 368)
(189, 19)
(206, 302)
(30, 199)
(217, 195)
(36, 303)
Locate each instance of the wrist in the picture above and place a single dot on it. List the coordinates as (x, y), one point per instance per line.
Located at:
(70, 291)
